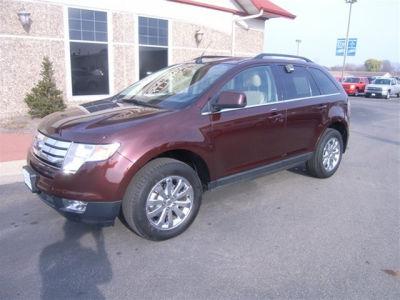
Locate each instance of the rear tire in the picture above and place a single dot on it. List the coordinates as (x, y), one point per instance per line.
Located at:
(163, 199)
(327, 156)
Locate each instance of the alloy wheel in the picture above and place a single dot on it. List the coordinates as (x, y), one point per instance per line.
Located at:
(331, 154)
(169, 202)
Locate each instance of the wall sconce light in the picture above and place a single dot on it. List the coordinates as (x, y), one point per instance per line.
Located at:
(198, 36)
(25, 19)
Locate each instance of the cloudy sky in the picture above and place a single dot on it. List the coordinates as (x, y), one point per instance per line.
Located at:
(319, 23)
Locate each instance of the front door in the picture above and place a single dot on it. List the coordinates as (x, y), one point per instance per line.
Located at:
(254, 135)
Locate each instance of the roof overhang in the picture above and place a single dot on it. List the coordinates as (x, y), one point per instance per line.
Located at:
(249, 7)
(270, 9)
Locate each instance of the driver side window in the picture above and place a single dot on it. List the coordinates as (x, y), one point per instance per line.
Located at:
(256, 83)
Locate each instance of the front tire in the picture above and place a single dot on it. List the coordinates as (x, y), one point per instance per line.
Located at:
(388, 95)
(327, 156)
(162, 199)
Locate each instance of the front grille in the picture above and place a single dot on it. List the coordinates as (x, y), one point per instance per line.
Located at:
(49, 150)
(374, 89)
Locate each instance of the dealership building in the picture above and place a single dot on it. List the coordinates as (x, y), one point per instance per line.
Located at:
(100, 47)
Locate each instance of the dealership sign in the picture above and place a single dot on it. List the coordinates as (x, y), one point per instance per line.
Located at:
(351, 47)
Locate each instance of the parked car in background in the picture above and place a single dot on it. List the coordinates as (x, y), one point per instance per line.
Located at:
(383, 88)
(355, 85)
(150, 151)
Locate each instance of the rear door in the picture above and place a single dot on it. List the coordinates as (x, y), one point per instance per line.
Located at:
(254, 135)
(307, 105)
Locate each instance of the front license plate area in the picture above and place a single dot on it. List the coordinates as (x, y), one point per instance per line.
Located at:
(30, 178)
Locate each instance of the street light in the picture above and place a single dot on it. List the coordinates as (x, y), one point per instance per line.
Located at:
(298, 46)
(351, 2)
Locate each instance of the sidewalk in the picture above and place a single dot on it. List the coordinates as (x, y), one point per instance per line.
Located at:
(13, 150)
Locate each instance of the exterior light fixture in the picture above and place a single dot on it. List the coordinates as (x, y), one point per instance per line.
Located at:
(351, 2)
(198, 36)
(24, 18)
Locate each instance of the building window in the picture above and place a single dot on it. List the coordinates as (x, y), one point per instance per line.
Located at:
(153, 45)
(88, 51)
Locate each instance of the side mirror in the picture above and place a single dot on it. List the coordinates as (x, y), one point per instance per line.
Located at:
(229, 99)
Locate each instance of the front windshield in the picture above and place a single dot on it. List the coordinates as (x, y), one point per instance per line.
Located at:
(175, 86)
(381, 81)
(352, 80)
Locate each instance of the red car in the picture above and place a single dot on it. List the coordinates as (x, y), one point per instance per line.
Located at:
(355, 85)
(150, 151)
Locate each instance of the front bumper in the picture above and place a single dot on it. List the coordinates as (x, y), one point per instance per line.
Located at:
(376, 93)
(103, 213)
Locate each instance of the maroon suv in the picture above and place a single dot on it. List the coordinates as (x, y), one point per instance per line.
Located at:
(149, 152)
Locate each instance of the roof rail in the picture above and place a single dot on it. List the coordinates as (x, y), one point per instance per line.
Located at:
(199, 60)
(262, 55)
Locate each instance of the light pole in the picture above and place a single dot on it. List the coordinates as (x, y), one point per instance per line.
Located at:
(351, 2)
(298, 46)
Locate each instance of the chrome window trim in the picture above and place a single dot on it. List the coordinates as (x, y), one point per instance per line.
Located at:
(265, 104)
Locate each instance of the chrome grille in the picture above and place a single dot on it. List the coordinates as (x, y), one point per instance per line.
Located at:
(50, 150)
(378, 89)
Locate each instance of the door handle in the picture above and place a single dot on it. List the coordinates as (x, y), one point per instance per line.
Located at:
(322, 107)
(275, 115)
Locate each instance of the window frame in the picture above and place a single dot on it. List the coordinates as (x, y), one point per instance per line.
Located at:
(282, 84)
(220, 84)
(309, 69)
(68, 62)
(137, 39)
(279, 86)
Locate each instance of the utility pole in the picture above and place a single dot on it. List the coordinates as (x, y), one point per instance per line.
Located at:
(351, 2)
(298, 46)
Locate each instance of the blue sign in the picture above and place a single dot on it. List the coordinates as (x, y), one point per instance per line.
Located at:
(351, 47)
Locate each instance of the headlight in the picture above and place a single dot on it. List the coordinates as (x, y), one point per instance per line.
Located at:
(78, 154)
(352, 86)
(38, 143)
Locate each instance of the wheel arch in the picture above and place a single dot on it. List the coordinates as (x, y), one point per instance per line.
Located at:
(188, 156)
(340, 126)
(191, 158)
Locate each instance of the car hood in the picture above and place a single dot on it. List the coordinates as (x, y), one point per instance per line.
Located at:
(95, 121)
(383, 86)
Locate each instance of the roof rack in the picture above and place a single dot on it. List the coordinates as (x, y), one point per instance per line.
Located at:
(262, 55)
(199, 60)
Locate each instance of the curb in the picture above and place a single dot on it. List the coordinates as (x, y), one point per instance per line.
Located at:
(11, 171)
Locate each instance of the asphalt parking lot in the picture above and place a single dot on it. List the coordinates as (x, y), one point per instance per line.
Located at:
(281, 236)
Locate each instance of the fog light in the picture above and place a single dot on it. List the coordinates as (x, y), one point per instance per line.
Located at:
(74, 206)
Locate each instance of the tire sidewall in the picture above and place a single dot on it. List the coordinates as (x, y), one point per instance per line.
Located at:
(139, 210)
(330, 133)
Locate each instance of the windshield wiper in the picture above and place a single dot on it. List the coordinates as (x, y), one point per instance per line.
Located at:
(140, 103)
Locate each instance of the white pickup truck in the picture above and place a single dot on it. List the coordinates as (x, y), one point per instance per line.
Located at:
(383, 88)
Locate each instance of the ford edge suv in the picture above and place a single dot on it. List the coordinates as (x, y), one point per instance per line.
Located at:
(148, 153)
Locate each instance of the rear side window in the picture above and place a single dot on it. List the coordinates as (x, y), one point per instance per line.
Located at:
(297, 84)
(324, 83)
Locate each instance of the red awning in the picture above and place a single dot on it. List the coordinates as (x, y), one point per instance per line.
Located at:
(270, 9)
(249, 7)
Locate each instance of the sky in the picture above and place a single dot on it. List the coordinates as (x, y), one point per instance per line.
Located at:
(319, 23)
